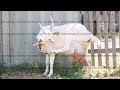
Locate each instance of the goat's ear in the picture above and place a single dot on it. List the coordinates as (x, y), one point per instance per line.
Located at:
(56, 33)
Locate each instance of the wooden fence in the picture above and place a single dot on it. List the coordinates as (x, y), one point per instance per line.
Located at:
(18, 30)
(108, 18)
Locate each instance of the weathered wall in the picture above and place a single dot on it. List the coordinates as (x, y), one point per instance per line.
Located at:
(18, 45)
(1, 42)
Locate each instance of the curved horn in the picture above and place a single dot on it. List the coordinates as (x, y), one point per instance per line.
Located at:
(41, 28)
(52, 23)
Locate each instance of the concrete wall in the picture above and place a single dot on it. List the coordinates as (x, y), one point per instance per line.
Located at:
(18, 45)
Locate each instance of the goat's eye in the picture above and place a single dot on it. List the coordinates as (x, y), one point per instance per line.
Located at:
(40, 40)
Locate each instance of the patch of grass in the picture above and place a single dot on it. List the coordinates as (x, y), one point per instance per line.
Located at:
(74, 72)
(23, 67)
(27, 67)
(105, 67)
(4, 74)
(2, 68)
(117, 71)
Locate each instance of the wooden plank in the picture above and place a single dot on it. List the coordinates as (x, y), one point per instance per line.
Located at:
(86, 19)
(106, 37)
(112, 23)
(119, 28)
(80, 17)
(98, 35)
(103, 50)
(1, 41)
(91, 30)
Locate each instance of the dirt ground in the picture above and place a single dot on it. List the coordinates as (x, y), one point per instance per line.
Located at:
(24, 75)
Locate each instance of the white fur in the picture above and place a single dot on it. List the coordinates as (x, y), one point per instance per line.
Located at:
(47, 65)
(71, 36)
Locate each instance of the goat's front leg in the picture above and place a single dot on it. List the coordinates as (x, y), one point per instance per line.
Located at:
(47, 62)
(52, 57)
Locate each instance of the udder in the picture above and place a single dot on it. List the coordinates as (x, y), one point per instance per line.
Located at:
(78, 56)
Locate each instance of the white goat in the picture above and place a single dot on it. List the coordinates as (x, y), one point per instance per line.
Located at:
(65, 39)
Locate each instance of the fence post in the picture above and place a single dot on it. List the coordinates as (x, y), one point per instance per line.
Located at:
(112, 24)
(106, 37)
(98, 35)
(91, 30)
(86, 19)
(119, 28)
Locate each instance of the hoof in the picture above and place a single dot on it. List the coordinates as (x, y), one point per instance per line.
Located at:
(90, 75)
(44, 74)
(49, 76)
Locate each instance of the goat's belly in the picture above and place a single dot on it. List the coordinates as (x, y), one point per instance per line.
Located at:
(80, 47)
(69, 52)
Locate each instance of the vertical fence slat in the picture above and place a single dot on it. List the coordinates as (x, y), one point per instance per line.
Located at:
(91, 30)
(80, 17)
(98, 34)
(106, 37)
(86, 19)
(113, 38)
(119, 28)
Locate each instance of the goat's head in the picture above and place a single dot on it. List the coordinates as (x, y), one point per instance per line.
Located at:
(46, 34)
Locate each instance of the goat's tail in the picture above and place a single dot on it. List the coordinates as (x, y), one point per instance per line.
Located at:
(96, 40)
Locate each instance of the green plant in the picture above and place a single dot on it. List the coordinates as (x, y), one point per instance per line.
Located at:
(76, 71)
(23, 67)
(2, 68)
(5, 76)
(27, 67)
(109, 34)
(117, 71)
(105, 67)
